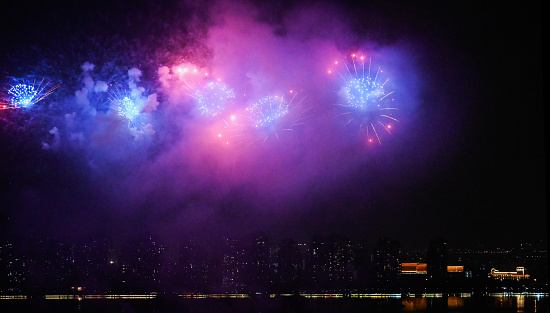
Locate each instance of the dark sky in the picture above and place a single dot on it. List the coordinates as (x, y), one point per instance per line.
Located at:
(466, 161)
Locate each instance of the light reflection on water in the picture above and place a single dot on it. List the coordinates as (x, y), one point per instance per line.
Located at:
(422, 303)
(415, 304)
(455, 302)
(496, 302)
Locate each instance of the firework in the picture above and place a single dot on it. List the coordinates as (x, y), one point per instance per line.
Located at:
(186, 70)
(26, 95)
(210, 96)
(188, 75)
(128, 108)
(213, 98)
(4, 102)
(266, 119)
(367, 103)
(268, 111)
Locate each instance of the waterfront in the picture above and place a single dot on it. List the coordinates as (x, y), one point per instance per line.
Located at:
(460, 303)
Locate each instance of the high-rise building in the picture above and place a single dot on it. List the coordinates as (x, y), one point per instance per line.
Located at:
(260, 278)
(289, 267)
(437, 260)
(231, 276)
(387, 266)
(12, 269)
(331, 263)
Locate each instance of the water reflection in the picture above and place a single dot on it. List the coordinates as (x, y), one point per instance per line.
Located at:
(455, 302)
(414, 304)
(501, 302)
(521, 303)
(422, 304)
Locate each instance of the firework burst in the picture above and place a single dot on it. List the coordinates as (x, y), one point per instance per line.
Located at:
(265, 120)
(367, 103)
(26, 95)
(128, 108)
(212, 98)
(187, 75)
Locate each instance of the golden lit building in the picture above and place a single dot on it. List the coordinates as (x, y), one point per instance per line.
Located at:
(518, 274)
(414, 268)
(422, 268)
(455, 269)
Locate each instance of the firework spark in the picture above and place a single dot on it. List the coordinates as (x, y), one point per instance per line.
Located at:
(213, 98)
(128, 108)
(26, 95)
(188, 75)
(4, 101)
(265, 120)
(367, 103)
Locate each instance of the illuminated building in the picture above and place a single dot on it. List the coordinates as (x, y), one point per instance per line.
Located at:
(455, 269)
(414, 268)
(12, 269)
(231, 276)
(517, 275)
(413, 276)
(387, 265)
(318, 253)
(260, 274)
(457, 273)
(330, 263)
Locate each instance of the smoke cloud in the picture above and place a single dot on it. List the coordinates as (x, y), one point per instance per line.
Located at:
(181, 172)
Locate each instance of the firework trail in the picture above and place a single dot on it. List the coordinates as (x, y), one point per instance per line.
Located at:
(367, 104)
(26, 95)
(187, 75)
(4, 102)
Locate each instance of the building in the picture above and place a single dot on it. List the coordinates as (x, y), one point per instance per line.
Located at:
(437, 260)
(455, 269)
(517, 275)
(414, 268)
(386, 262)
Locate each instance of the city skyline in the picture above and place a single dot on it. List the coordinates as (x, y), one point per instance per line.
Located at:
(256, 265)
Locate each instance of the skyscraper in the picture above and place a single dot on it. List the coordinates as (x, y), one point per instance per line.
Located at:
(387, 264)
(437, 260)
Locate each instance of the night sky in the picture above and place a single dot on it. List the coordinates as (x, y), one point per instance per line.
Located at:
(466, 161)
